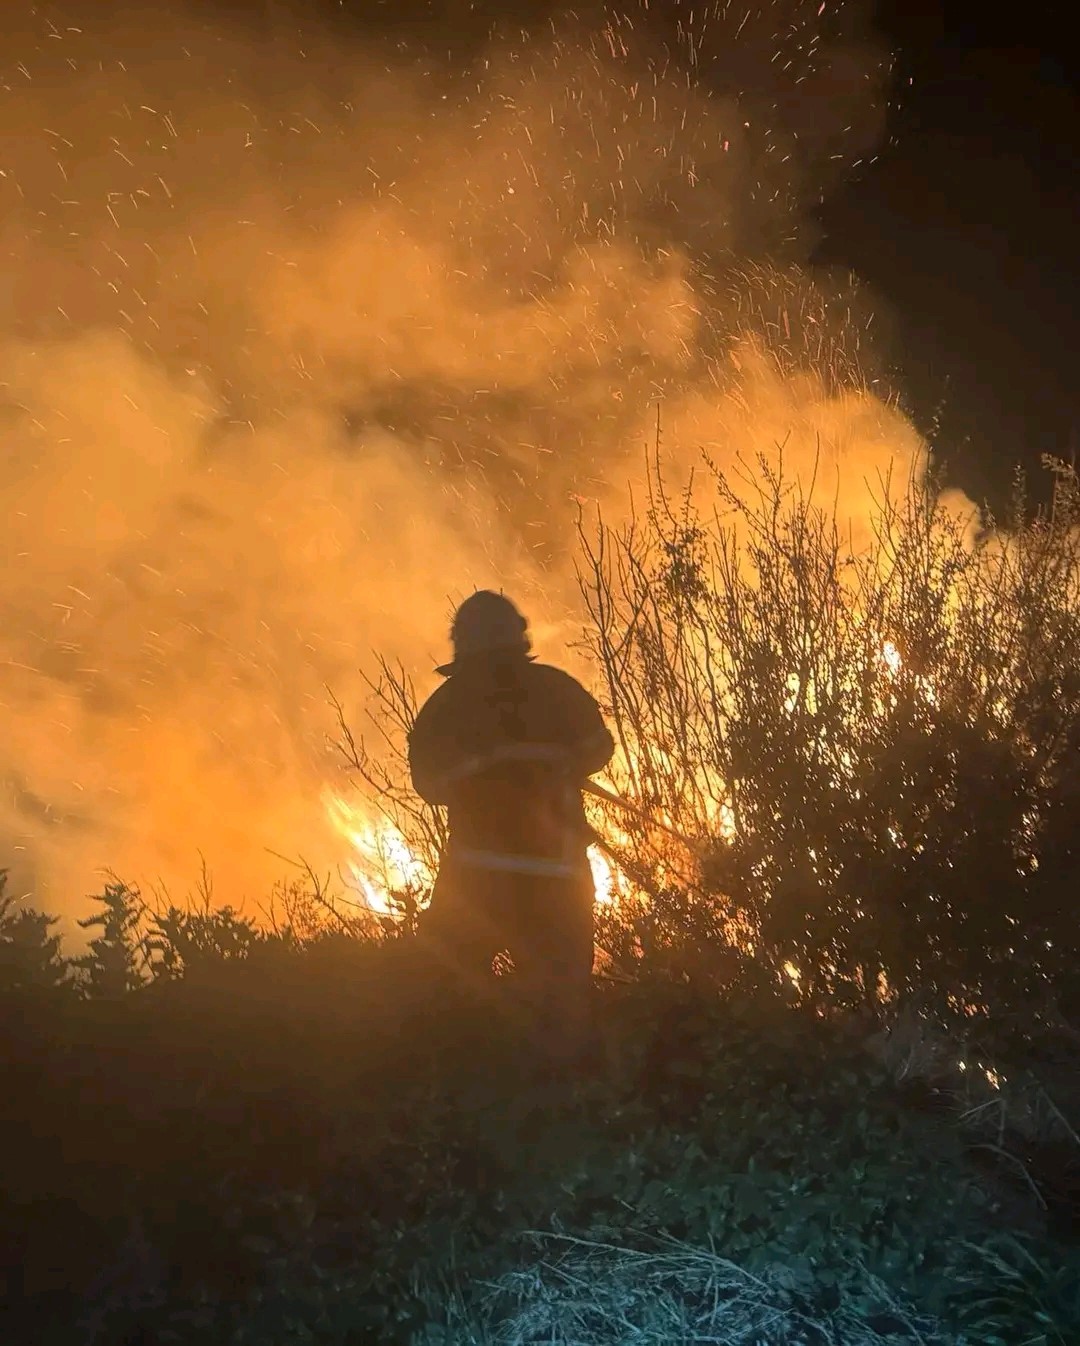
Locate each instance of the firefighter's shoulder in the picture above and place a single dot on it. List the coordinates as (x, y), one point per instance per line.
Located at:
(438, 705)
(547, 680)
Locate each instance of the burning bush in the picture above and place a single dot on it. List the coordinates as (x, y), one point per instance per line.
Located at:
(853, 755)
(876, 737)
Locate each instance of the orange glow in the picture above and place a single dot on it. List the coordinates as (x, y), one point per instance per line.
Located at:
(380, 862)
(298, 349)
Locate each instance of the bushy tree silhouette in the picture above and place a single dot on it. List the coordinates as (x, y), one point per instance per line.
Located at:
(30, 958)
(185, 943)
(114, 963)
(875, 739)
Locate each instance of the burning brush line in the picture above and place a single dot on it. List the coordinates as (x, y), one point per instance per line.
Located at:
(389, 873)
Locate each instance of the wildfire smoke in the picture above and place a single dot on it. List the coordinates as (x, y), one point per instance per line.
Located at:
(304, 334)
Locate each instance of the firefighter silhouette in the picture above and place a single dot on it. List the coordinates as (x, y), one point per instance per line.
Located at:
(505, 743)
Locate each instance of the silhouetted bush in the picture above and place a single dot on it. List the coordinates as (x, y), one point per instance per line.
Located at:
(874, 742)
(30, 959)
(112, 966)
(286, 1139)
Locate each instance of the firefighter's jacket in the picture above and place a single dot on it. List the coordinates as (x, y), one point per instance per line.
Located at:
(506, 746)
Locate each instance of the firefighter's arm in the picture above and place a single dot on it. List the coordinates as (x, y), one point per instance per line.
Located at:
(592, 745)
(595, 751)
(428, 767)
(436, 763)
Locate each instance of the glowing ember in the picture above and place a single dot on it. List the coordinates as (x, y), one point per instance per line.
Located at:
(891, 656)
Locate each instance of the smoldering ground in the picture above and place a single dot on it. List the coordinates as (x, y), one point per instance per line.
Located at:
(306, 329)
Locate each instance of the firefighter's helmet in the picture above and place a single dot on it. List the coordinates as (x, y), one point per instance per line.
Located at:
(487, 623)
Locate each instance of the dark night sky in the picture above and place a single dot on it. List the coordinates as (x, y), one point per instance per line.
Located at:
(967, 227)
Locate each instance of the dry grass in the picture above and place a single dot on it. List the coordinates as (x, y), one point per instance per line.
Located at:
(585, 1293)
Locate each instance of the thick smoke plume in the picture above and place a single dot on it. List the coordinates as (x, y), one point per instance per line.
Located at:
(306, 333)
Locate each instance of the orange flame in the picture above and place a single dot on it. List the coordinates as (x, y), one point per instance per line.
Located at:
(384, 867)
(382, 864)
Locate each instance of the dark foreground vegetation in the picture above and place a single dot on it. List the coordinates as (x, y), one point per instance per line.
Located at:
(272, 1143)
(834, 1096)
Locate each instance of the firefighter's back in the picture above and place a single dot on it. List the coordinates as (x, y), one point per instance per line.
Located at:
(505, 744)
(509, 730)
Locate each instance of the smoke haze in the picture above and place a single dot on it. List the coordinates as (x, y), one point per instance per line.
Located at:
(304, 334)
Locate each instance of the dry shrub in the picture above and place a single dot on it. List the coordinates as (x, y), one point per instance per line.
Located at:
(871, 742)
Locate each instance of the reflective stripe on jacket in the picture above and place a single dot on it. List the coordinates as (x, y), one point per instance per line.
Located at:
(502, 863)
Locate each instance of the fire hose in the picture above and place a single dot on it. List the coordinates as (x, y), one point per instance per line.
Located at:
(696, 848)
(642, 814)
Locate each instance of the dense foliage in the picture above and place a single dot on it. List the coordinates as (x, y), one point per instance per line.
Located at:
(874, 738)
(833, 1094)
(275, 1139)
